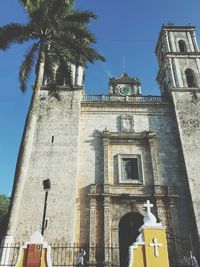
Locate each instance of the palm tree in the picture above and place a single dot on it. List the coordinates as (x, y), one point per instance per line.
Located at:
(60, 37)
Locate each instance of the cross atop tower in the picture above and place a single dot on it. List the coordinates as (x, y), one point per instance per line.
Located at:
(148, 205)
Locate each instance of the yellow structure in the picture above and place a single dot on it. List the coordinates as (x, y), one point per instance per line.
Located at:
(150, 248)
(44, 255)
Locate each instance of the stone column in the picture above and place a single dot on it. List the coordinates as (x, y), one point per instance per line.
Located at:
(106, 154)
(173, 215)
(195, 42)
(167, 41)
(172, 41)
(154, 157)
(177, 72)
(173, 227)
(172, 72)
(191, 44)
(107, 244)
(92, 240)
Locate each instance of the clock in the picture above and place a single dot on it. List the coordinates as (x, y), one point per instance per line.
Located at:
(124, 90)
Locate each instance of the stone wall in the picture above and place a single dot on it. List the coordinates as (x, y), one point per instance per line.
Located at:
(187, 108)
(68, 149)
(158, 118)
(54, 155)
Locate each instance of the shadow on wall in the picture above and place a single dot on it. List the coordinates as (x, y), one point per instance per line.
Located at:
(96, 143)
(84, 206)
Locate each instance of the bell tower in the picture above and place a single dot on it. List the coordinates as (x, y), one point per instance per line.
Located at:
(179, 58)
(179, 79)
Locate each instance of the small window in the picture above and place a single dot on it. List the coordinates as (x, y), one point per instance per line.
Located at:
(130, 169)
(182, 46)
(190, 77)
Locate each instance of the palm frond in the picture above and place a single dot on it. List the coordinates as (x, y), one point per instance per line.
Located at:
(81, 16)
(58, 6)
(74, 30)
(30, 5)
(90, 55)
(64, 61)
(49, 70)
(15, 33)
(62, 35)
(27, 65)
(78, 49)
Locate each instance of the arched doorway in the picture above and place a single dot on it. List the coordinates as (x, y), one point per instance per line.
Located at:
(128, 232)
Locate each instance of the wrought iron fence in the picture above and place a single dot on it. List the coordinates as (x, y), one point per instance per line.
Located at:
(180, 251)
(63, 254)
(66, 254)
(132, 99)
(9, 254)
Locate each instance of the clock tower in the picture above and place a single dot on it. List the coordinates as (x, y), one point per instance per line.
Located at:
(124, 86)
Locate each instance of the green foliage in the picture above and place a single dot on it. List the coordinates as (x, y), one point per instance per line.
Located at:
(60, 37)
(4, 203)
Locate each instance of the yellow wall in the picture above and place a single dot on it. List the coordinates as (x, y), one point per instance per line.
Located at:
(144, 255)
(151, 259)
(139, 256)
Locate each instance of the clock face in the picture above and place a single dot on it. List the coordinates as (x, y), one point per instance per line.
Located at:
(124, 90)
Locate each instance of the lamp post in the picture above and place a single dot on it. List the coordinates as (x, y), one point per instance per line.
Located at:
(46, 188)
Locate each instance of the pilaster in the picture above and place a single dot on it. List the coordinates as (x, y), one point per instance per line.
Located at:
(107, 230)
(92, 240)
(167, 41)
(161, 211)
(154, 157)
(192, 48)
(172, 72)
(194, 40)
(106, 155)
(173, 215)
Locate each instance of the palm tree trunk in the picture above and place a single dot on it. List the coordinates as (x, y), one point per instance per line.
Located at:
(25, 152)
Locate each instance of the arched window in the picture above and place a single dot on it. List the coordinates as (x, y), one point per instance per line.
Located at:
(190, 77)
(182, 46)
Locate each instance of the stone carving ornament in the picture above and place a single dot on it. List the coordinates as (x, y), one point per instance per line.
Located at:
(127, 123)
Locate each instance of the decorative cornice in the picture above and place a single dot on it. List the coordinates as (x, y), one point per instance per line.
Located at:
(128, 135)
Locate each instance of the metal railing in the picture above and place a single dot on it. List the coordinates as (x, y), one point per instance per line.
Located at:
(180, 250)
(62, 255)
(9, 254)
(66, 254)
(127, 99)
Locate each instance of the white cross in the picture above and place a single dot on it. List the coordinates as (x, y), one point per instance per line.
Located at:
(148, 206)
(156, 245)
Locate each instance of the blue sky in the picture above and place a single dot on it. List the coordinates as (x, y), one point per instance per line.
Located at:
(126, 28)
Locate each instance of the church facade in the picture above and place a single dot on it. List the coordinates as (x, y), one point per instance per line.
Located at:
(106, 155)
